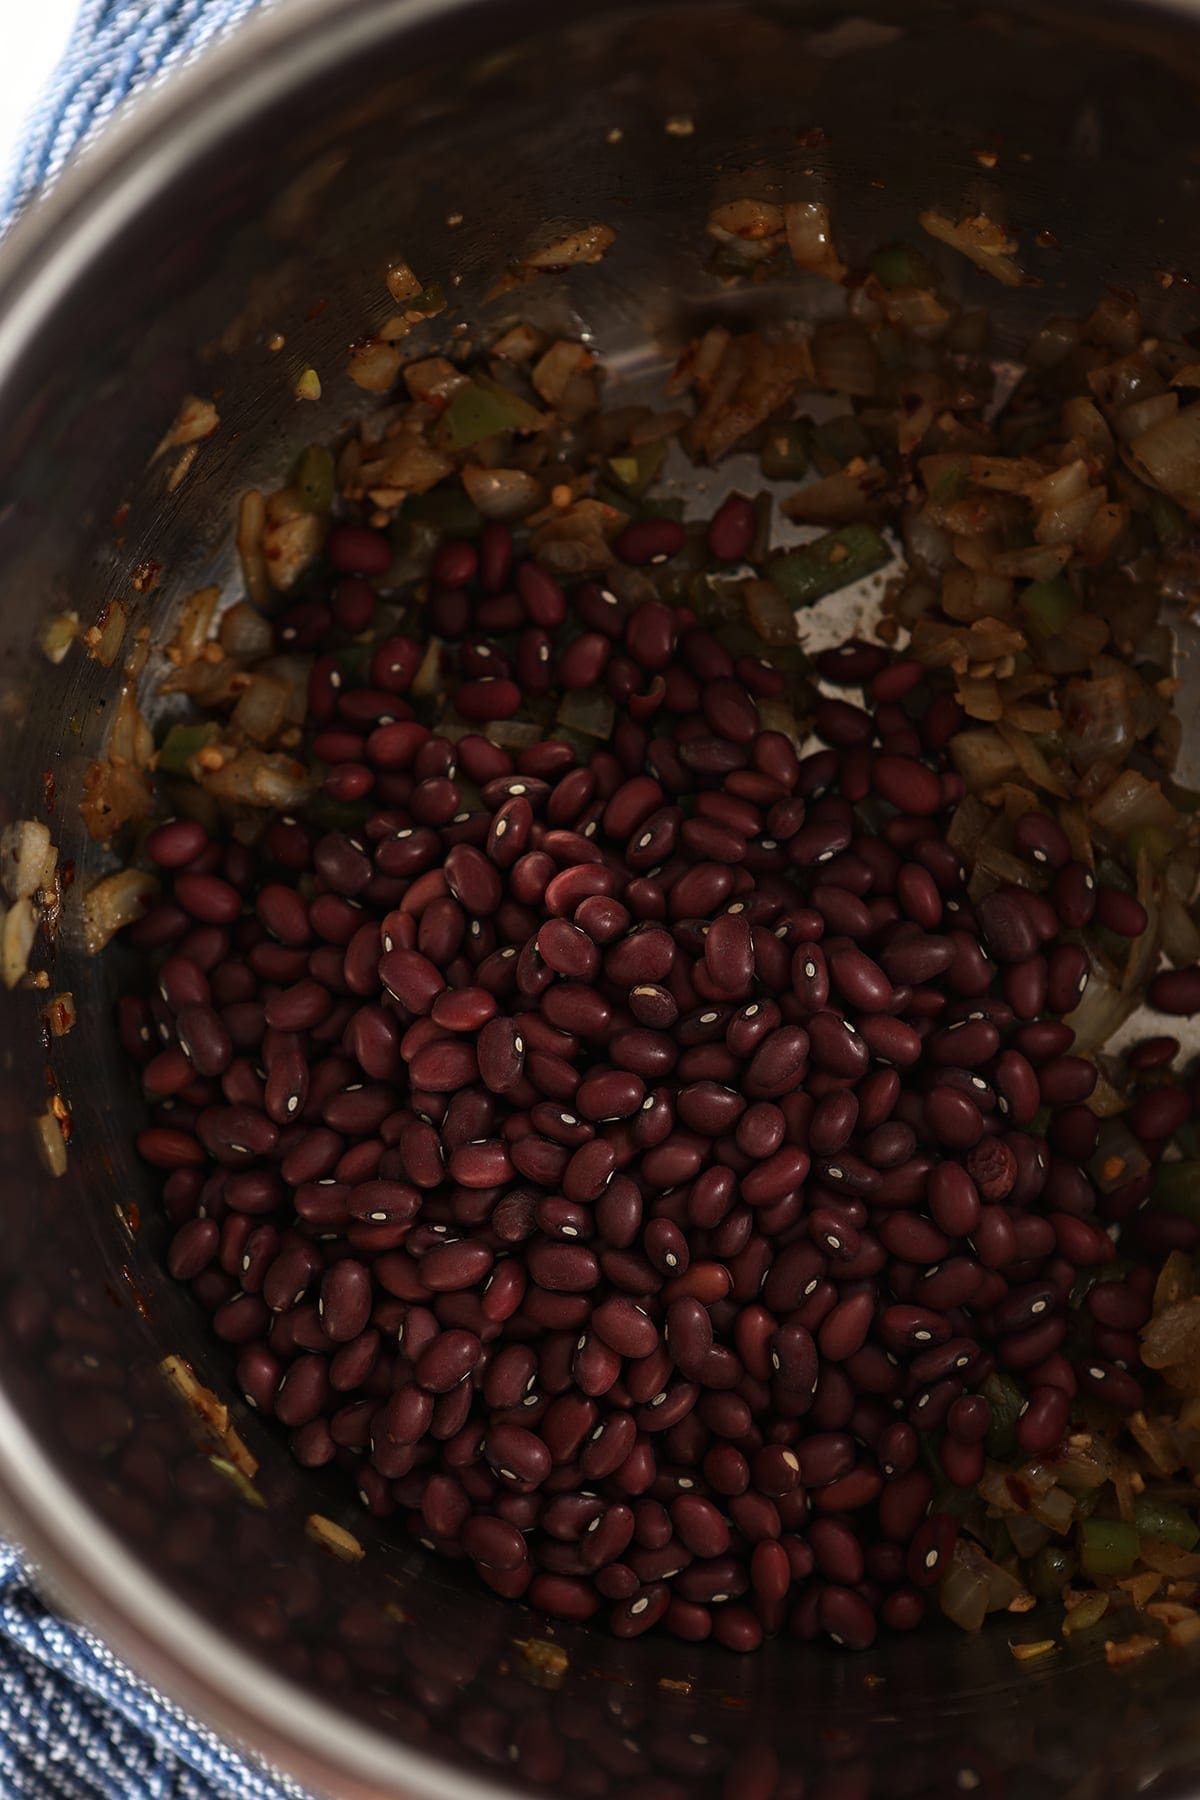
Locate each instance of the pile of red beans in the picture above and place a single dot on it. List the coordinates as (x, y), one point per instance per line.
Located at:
(624, 1167)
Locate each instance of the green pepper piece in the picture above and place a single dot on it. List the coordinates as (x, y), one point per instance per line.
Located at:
(950, 485)
(662, 506)
(1048, 605)
(1006, 1401)
(634, 469)
(837, 442)
(900, 266)
(430, 301)
(1051, 1570)
(352, 659)
(785, 451)
(728, 263)
(182, 742)
(1159, 1519)
(1107, 1546)
(1177, 1187)
(609, 494)
(482, 409)
(828, 563)
(1157, 842)
(338, 815)
(1168, 520)
(448, 511)
(314, 479)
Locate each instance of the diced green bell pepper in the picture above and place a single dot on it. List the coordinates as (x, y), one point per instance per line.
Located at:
(1048, 605)
(828, 563)
(182, 742)
(482, 409)
(1107, 1546)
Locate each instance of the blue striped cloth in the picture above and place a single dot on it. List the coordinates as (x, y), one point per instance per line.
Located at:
(75, 1724)
(117, 47)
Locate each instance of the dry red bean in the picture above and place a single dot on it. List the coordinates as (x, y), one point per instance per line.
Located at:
(449, 1267)
(847, 1618)
(208, 898)
(906, 784)
(953, 1199)
(731, 529)
(1176, 991)
(1120, 912)
(625, 1327)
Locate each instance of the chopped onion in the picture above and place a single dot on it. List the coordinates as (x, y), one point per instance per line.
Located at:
(1103, 1009)
(1143, 415)
(374, 365)
(1097, 723)
(18, 928)
(433, 380)
(1131, 801)
(1027, 1533)
(519, 344)
(920, 313)
(243, 632)
(24, 848)
(58, 634)
(575, 541)
(104, 638)
(810, 239)
(262, 707)
(1168, 457)
(1173, 1336)
(502, 493)
(293, 670)
(565, 378)
(777, 715)
(753, 227)
(254, 778)
(1083, 423)
(1051, 343)
(586, 245)
(1179, 937)
(982, 758)
(50, 1143)
(1068, 523)
(195, 420)
(194, 624)
(402, 284)
(979, 238)
(291, 539)
(1037, 562)
(963, 1590)
(115, 901)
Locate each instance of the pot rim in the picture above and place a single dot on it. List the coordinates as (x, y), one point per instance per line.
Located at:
(84, 1567)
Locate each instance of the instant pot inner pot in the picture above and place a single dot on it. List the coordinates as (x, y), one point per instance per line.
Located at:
(264, 212)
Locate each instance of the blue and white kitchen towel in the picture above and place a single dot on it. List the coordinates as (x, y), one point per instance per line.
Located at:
(116, 47)
(75, 1724)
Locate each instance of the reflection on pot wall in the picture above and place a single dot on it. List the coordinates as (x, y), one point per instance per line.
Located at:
(262, 255)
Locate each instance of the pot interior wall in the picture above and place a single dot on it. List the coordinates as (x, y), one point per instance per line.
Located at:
(457, 137)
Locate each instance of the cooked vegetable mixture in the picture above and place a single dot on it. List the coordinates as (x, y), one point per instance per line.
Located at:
(650, 1097)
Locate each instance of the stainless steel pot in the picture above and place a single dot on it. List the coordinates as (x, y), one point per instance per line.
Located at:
(264, 193)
